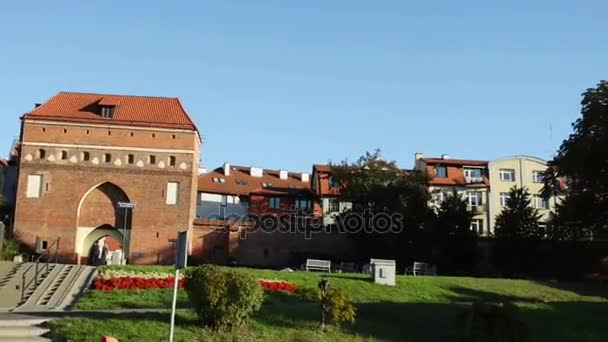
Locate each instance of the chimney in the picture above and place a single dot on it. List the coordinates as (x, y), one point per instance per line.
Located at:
(283, 174)
(445, 156)
(305, 177)
(256, 171)
(418, 156)
(226, 169)
(36, 105)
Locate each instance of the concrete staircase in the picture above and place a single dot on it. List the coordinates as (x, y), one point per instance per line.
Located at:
(59, 289)
(56, 290)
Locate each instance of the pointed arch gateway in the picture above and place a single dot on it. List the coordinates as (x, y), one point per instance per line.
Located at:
(100, 219)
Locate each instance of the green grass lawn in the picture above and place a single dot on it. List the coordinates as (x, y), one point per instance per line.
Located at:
(417, 309)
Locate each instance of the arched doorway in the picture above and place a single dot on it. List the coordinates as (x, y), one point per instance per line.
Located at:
(99, 217)
(102, 246)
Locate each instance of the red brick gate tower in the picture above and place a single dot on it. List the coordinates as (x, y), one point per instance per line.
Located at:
(81, 154)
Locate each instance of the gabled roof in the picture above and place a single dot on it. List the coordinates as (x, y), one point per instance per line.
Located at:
(240, 182)
(165, 112)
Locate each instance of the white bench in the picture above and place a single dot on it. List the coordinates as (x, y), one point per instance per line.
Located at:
(318, 265)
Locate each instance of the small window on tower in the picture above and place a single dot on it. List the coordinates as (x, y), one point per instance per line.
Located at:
(131, 159)
(172, 161)
(85, 156)
(107, 112)
(107, 158)
(64, 155)
(152, 159)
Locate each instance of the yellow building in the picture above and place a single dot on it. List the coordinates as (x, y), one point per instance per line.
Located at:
(517, 171)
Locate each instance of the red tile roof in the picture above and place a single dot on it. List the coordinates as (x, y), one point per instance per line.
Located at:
(321, 168)
(165, 112)
(455, 161)
(240, 174)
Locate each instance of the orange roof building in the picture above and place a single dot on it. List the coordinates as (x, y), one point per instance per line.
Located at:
(81, 155)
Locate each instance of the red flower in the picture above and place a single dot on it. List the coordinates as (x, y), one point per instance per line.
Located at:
(135, 283)
(277, 286)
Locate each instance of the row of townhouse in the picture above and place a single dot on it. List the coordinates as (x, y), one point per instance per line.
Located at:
(484, 185)
(123, 171)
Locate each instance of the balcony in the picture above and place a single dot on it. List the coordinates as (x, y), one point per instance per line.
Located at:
(473, 180)
(476, 209)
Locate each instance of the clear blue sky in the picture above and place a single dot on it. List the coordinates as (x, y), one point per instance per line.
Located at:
(285, 84)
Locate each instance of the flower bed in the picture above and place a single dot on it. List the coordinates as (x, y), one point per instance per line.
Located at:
(135, 283)
(277, 286)
(123, 280)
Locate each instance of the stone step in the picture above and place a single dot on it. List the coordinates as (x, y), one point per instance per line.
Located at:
(22, 321)
(30, 339)
(10, 333)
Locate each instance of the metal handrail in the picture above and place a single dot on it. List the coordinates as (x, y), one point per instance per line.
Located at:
(37, 268)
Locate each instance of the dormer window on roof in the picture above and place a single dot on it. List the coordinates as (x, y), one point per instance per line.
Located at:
(242, 182)
(266, 185)
(107, 111)
(219, 180)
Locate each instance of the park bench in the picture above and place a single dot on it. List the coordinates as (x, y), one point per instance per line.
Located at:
(318, 265)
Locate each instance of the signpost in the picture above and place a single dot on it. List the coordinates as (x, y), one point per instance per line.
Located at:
(126, 206)
(181, 261)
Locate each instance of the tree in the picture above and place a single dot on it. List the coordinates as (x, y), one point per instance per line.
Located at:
(517, 234)
(456, 242)
(580, 170)
(518, 220)
(378, 188)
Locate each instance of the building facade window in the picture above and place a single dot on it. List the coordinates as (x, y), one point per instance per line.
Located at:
(172, 193)
(477, 226)
(472, 175)
(64, 155)
(538, 176)
(441, 196)
(333, 205)
(274, 202)
(107, 112)
(130, 159)
(152, 159)
(303, 204)
(107, 158)
(504, 198)
(34, 186)
(41, 154)
(441, 171)
(540, 202)
(475, 198)
(507, 175)
(333, 182)
(172, 161)
(85, 156)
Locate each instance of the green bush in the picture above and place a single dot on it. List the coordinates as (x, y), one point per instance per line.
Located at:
(340, 307)
(10, 249)
(493, 322)
(309, 294)
(223, 300)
